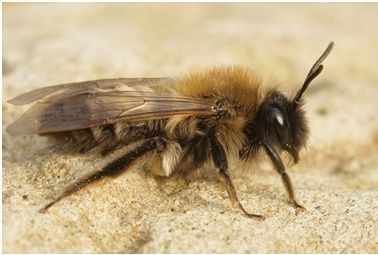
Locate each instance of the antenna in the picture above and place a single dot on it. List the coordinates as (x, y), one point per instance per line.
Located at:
(316, 69)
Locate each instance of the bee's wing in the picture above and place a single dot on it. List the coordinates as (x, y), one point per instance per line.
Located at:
(75, 88)
(83, 110)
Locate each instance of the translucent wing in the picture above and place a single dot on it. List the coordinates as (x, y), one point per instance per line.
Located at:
(69, 108)
(71, 89)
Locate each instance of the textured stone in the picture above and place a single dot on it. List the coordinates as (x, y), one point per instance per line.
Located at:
(336, 179)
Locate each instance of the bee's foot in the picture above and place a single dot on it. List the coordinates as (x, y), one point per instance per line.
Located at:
(299, 208)
(43, 210)
(251, 215)
(255, 216)
(46, 207)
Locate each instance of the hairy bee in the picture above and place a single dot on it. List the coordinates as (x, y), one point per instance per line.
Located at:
(200, 120)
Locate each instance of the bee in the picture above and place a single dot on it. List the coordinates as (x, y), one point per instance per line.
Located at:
(201, 120)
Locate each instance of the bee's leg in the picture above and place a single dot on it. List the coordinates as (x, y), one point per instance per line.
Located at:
(220, 161)
(279, 166)
(111, 170)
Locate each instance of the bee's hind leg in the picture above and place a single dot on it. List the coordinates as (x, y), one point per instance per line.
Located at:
(220, 161)
(113, 169)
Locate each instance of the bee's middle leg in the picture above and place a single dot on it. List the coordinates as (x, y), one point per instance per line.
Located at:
(220, 161)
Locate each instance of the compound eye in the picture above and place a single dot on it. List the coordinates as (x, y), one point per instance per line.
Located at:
(280, 126)
(279, 118)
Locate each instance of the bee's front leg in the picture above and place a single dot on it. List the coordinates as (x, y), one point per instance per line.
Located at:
(279, 166)
(220, 161)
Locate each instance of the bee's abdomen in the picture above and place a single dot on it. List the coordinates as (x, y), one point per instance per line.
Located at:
(106, 138)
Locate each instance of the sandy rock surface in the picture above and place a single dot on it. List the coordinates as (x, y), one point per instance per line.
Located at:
(336, 179)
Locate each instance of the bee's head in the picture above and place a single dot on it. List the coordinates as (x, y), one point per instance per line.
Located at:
(283, 124)
(283, 120)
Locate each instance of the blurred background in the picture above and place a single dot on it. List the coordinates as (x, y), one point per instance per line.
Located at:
(337, 178)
